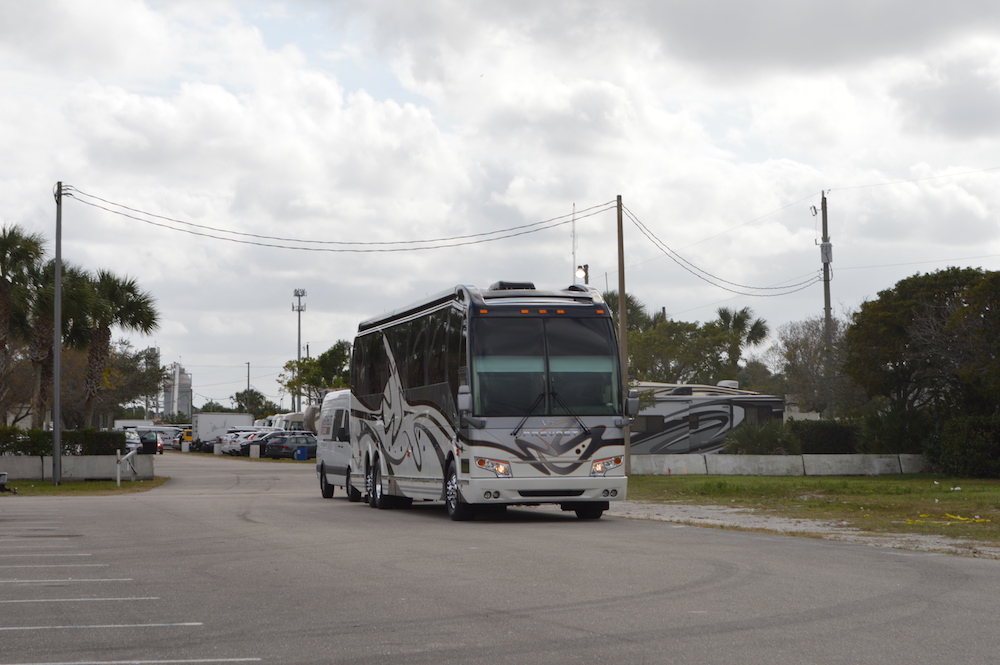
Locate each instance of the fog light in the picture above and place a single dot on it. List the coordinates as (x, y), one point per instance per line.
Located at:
(496, 495)
(487, 495)
(605, 493)
(614, 492)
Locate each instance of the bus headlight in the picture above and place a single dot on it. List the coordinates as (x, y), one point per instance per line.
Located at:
(502, 469)
(602, 466)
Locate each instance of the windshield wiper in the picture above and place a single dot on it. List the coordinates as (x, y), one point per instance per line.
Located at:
(586, 430)
(534, 405)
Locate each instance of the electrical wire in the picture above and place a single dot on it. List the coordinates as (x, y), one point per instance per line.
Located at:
(340, 246)
(715, 280)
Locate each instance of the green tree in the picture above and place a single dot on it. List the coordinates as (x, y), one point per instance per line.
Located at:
(678, 352)
(117, 302)
(311, 377)
(742, 331)
(636, 316)
(897, 346)
(77, 296)
(255, 402)
(20, 261)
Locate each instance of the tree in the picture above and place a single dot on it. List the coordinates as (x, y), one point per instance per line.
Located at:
(116, 302)
(900, 346)
(678, 352)
(802, 346)
(742, 331)
(20, 258)
(255, 402)
(636, 316)
(77, 297)
(311, 377)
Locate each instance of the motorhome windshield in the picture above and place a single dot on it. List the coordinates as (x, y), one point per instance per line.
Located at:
(570, 362)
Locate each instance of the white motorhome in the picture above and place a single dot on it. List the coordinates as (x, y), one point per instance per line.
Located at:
(333, 445)
(288, 421)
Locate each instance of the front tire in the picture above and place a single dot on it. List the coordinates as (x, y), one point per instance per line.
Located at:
(458, 510)
(376, 497)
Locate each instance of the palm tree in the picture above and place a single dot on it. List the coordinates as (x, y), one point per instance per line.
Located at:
(743, 330)
(20, 255)
(636, 316)
(117, 302)
(76, 300)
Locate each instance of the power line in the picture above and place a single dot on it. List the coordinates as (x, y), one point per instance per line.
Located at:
(715, 280)
(339, 246)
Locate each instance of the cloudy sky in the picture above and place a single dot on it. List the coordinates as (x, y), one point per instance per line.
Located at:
(228, 152)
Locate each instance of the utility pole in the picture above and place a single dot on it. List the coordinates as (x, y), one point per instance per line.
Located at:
(246, 403)
(622, 333)
(297, 397)
(57, 349)
(826, 254)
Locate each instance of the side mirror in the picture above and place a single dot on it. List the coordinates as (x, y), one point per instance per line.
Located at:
(464, 399)
(632, 404)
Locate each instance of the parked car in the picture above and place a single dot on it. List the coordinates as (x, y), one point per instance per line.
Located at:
(284, 444)
(255, 438)
(147, 442)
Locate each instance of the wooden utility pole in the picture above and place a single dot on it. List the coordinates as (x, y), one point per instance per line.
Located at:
(826, 254)
(57, 349)
(622, 330)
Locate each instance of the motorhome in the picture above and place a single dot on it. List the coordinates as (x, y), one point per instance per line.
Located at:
(693, 418)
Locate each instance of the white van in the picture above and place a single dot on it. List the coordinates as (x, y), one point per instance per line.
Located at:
(333, 445)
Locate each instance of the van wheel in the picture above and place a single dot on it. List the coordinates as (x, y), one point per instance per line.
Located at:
(325, 488)
(458, 510)
(353, 493)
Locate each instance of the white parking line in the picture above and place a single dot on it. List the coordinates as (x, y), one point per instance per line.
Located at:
(34, 554)
(57, 565)
(70, 581)
(75, 600)
(150, 662)
(114, 626)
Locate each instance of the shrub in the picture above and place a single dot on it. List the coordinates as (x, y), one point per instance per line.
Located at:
(969, 447)
(14, 441)
(894, 431)
(825, 437)
(771, 438)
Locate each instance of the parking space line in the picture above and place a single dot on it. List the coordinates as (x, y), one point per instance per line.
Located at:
(56, 565)
(112, 626)
(76, 600)
(70, 580)
(150, 662)
(34, 554)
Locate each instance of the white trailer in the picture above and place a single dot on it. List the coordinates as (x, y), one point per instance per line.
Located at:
(211, 426)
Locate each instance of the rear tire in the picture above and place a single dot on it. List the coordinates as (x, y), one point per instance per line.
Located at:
(458, 510)
(325, 488)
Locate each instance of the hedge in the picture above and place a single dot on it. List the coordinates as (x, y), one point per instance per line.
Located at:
(16, 441)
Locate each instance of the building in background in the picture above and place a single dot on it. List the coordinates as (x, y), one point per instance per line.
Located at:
(177, 394)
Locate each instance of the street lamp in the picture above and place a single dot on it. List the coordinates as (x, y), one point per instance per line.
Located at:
(583, 272)
(297, 397)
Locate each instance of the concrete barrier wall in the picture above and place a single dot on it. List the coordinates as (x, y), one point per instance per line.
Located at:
(76, 467)
(776, 465)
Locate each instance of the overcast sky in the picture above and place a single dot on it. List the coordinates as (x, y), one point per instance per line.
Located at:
(303, 123)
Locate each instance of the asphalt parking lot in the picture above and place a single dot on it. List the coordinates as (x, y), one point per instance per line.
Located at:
(238, 561)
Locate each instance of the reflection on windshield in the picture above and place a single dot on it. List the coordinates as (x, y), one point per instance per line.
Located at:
(517, 359)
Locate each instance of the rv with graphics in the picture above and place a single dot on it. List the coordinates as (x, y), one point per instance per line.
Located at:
(486, 398)
(690, 418)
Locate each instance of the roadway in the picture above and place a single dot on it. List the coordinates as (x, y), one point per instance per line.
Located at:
(236, 561)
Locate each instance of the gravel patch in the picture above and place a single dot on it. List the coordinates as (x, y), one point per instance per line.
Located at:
(747, 519)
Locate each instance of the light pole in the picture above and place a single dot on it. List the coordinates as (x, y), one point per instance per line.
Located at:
(297, 397)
